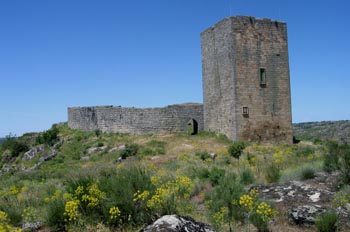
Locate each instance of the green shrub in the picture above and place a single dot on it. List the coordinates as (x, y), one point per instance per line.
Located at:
(203, 173)
(48, 137)
(54, 216)
(307, 173)
(129, 150)
(259, 222)
(203, 155)
(331, 157)
(345, 165)
(120, 187)
(97, 132)
(247, 176)
(236, 149)
(272, 173)
(215, 175)
(14, 146)
(330, 162)
(327, 222)
(338, 158)
(100, 144)
(224, 195)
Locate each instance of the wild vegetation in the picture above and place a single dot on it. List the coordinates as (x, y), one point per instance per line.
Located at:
(118, 182)
(327, 130)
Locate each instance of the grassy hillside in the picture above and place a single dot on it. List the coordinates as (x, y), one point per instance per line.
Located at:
(92, 181)
(326, 130)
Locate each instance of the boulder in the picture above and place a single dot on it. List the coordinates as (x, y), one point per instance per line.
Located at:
(295, 192)
(177, 223)
(31, 226)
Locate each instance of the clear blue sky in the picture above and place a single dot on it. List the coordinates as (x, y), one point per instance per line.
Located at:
(60, 53)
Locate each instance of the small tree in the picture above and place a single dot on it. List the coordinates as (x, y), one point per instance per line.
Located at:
(236, 148)
(14, 145)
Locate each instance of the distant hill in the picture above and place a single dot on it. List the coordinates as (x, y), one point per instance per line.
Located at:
(325, 130)
(2, 139)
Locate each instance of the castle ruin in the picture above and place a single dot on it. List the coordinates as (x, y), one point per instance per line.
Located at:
(246, 89)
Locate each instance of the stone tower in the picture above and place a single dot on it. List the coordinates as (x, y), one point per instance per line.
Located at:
(246, 80)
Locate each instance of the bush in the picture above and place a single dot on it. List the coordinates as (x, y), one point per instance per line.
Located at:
(272, 173)
(331, 157)
(236, 149)
(48, 137)
(15, 147)
(307, 173)
(129, 150)
(215, 175)
(345, 165)
(203, 173)
(203, 155)
(224, 195)
(120, 187)
(55, 214)
(259, 213)
(327, 222)
(258, 222)
(247, 176)
(338, 158)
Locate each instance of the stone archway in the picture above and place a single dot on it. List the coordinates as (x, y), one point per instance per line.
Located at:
(192, 127)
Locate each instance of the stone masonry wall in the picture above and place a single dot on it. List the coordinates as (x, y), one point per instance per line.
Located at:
(218, 85)
(234, 52)
(174, 118)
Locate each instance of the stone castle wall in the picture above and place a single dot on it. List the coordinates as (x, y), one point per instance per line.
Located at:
(236, 53)
(174, 118)
(246, 89)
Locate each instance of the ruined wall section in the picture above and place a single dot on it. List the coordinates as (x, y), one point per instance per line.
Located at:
(174, 118)
(218, 75)
(261, 46)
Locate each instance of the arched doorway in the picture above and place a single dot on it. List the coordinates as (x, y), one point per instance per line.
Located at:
(192, 127)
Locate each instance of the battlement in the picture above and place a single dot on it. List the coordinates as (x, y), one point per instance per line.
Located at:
(248, 21)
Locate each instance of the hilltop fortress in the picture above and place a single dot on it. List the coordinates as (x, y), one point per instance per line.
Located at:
(246, 89)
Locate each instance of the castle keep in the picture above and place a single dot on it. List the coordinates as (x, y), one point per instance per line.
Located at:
(246, 86)
(246, 89)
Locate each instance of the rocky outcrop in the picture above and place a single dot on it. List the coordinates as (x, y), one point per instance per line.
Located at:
(176, 223)
(295, 192)
(302, 201)
(32, 152)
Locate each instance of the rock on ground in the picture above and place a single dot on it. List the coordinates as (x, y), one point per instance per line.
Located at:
(177, 223)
